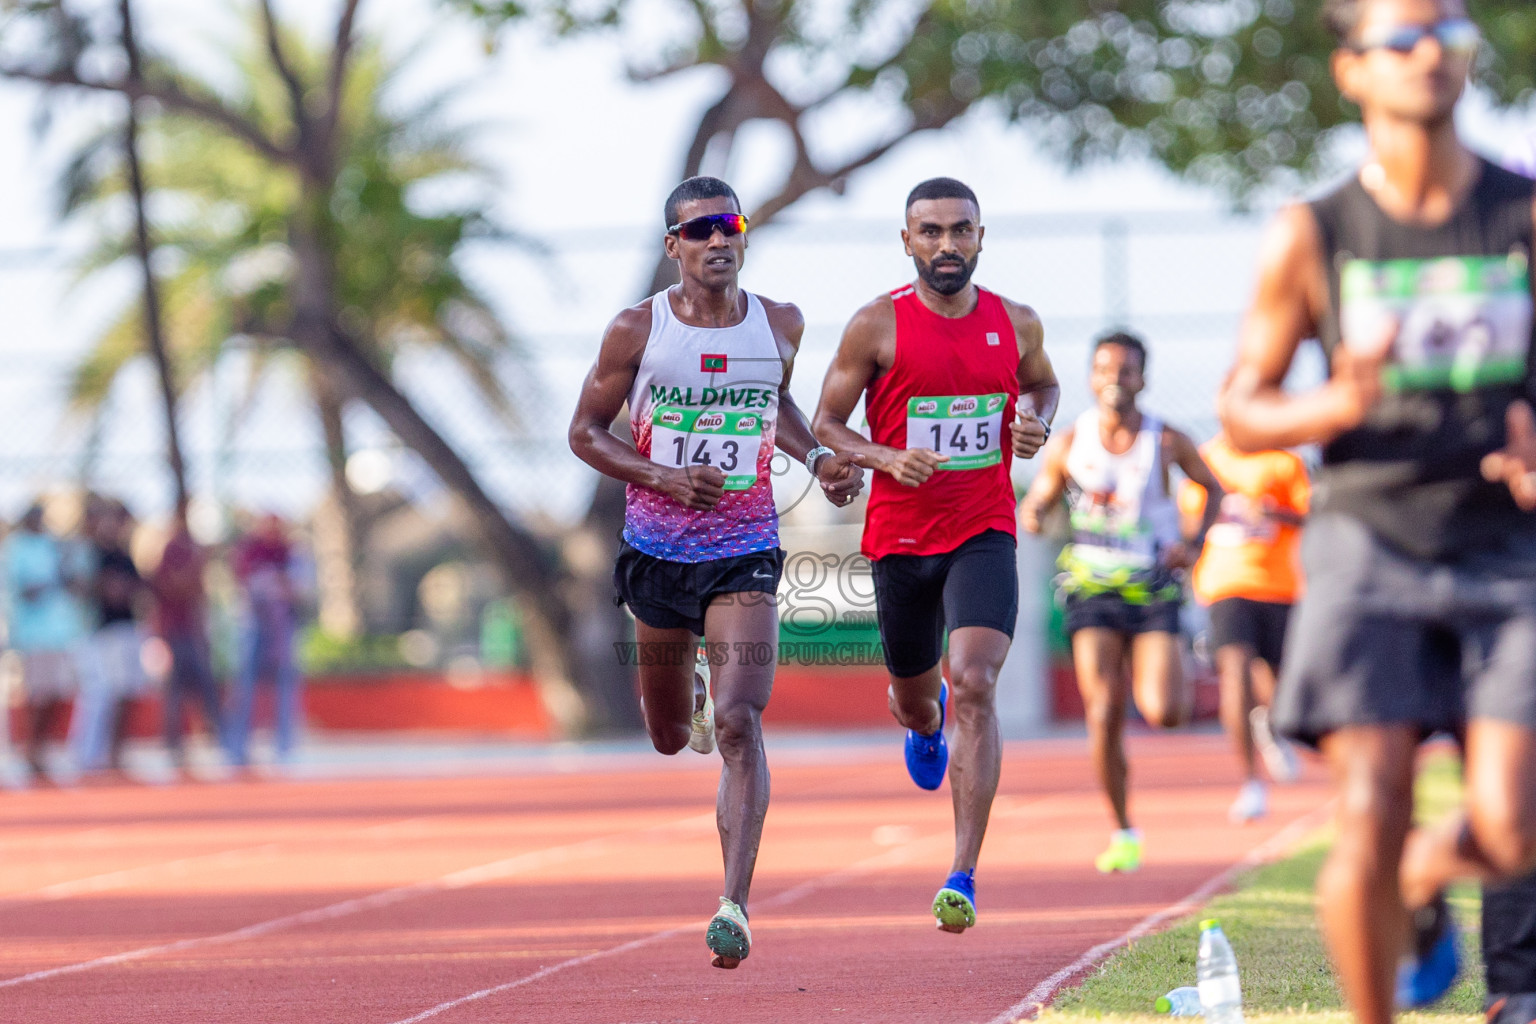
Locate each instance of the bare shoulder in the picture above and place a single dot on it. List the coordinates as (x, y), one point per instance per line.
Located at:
(1022, 315)
(1028, 329)
(784, 316)
(1292, 241)
(632, 326)
(878, 312)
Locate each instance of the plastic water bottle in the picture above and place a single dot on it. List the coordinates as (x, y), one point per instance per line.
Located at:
(1181, 1002)
(1221, 995)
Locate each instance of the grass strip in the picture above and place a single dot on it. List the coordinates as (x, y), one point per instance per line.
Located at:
(1270, 919)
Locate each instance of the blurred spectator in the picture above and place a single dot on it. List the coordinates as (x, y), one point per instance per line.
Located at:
(263, 563)
(181, 608)
(111, 674)
(44, 626)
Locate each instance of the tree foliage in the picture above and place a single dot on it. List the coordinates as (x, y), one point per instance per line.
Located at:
(224, 229)
(1231, 93)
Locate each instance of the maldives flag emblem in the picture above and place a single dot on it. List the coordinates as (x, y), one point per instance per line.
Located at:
(711, 364)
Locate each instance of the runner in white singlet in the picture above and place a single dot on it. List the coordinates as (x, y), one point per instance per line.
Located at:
(705, 369)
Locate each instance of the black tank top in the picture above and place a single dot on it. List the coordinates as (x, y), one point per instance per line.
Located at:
(1461, 293)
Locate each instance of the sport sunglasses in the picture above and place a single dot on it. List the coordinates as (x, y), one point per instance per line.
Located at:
(699, 229)
(1456, 35)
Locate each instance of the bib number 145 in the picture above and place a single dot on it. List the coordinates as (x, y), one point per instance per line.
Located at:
(967, 428)
(690, 438)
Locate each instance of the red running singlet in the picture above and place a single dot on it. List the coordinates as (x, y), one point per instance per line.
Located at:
(952, 387)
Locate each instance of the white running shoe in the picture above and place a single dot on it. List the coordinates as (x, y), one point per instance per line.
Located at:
(1252, 803)
(1279, 757)
(702, 736)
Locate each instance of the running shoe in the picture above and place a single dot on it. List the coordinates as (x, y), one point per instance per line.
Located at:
(1123, 854)
(1279, 756)
(728, 937)
(955, 904)
(1429, 971)
(1252, 803)
(702, 735)
(928, 756)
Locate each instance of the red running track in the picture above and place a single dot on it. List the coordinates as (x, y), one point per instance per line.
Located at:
(581, 896)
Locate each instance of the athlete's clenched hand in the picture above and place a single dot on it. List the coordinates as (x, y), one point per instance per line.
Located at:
(1515, 463)
(841, 477)
(698, 487)
(1356, 377)
(1029, 434)
(911, 466)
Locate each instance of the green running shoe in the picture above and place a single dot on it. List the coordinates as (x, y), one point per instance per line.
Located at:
(728, 937)
(1124, 853)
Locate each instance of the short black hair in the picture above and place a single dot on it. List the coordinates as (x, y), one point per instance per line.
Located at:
(700, 186)
(942, 188)
(1125, 339)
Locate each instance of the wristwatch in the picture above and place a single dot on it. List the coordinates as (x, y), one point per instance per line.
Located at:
(815, 455)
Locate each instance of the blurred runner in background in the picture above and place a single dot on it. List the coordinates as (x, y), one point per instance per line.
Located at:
(1248, 576)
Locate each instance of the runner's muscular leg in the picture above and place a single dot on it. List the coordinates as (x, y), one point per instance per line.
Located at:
(1493, 838)
(976, 655)
(666, 684)
(914, 701)
(1157, 679)
(746, 625)
(1359, 903)
(1236, 670)
(1099, 656)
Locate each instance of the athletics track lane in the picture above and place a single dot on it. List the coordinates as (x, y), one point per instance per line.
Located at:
(582, 897)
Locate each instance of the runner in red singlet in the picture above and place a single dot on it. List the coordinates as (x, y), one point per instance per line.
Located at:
(956, 383)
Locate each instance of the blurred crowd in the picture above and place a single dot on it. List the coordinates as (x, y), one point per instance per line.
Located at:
(109, 619)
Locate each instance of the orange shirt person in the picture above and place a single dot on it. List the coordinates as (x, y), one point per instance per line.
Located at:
(1248, 577)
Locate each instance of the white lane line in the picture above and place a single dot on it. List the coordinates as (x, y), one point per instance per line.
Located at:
(454, 880)
(1030, 1006)
(890, 858)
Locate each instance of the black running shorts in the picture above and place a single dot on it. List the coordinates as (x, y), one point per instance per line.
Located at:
(920, 597)
(673, 595)
(1381, 637)
(1257, 625)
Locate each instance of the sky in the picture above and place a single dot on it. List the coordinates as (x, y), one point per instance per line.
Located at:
(585, 157)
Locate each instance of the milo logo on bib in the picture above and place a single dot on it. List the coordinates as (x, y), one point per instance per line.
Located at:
(1462, 322)
(967, 428)
(670, 418)
(709, 421)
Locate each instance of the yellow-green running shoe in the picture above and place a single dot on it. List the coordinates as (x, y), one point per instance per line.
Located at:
(701, 734)
(728, 937)
(1123, 854)
(955, 905)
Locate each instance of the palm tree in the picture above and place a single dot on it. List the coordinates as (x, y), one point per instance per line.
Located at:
(226, 234)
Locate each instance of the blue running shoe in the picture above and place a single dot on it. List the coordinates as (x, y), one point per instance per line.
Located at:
(955, 904)
(1431, 969)
(928, 756)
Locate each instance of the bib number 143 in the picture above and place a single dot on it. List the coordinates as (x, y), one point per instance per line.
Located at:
(967, 428)
(691, 438)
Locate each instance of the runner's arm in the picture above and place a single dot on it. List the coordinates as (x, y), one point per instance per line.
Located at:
(603, 394)
(854, 367)
(1289, 303)
(1187, 457)
(1049, 484)
(840, 477)
(1039, 392)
